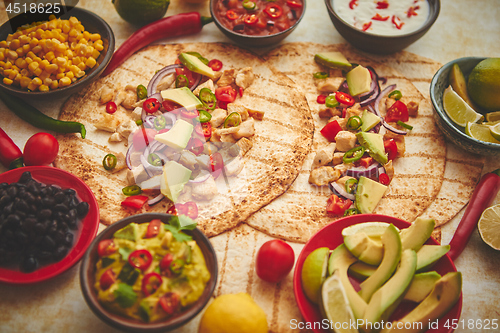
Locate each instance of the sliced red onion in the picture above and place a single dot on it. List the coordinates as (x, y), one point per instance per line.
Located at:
(127, 156)
(149, 121)
(362, 171)
(382, 79)
(394, 129)
(381, 169)
(169, 116)
(344, 87)
(202, 177)
(341, 190)
(196, 82)
(156, 199)
(379, 98)
(155, 146)
(157, 96)
(155, 80)
(375, 91)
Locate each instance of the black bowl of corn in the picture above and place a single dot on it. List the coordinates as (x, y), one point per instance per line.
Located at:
(51, 55)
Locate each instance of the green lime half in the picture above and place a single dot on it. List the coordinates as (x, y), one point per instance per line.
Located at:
(458, 110)
(480, 132)
(141, 12)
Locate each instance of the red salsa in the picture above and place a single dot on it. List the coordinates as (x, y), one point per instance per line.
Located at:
(258, 17)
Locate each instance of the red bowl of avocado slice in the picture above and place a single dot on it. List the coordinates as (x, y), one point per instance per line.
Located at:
(432, 265)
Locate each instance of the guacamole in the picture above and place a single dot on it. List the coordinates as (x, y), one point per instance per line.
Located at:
(149, 271)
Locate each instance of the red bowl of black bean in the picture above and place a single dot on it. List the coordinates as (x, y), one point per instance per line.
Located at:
(48, 218)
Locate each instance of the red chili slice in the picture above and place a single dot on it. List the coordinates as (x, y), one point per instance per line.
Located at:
(215, 64)
(140, 259)
(353, 4)
(397, 111)
(106, 247)
(379, 17)
(173, 210)
(397, 22)
(170, 302)
(384, 179)
(150, 283)
(107, 279)
(216, 164)
(367, 26)
(153, 228)
(251, 19)
(151, 105)
(206, 129)
(191, 209)
(321, 99)
(382, 4)
(232, 15)
(294, 4)
(273, 10)
(344, 98)
(195, 145)
(111, 107)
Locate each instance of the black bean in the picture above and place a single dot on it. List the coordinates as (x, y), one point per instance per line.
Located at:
(60, 207)
(44, 214)
(28, 224)
(29, 264)
(52, 227)
(12, 221)
(4, 200)
(48, 202)
(69, 192)
(12, 191)
(68, 239)
(60, 252)
(9, 208)
(60, 196)
(40, 227)
(82, 209)
(21, 205)
(21, 213)
(48, 243)
(29, 198)
(44, 255)
(63, 226)
(58, 236)
(21, 237)
(25, 177)
(34, 187)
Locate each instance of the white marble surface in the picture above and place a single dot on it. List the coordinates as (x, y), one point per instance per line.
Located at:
(464, 28)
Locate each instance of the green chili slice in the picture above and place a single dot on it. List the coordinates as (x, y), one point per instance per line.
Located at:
(351, 211)
(205, 116)
(350, 185)
(132, 190)
(138, 122)
(109, 162)
(160, 122)
(208, 98)
(320, 75)
(154, 159)
(353, 123)
(396, 94)
(331, 101)
(233, 120)
(354, 154)
(400, 123)
(199, 56)
(142, 92)
(181, 81)
(249, 5)
(176, 266)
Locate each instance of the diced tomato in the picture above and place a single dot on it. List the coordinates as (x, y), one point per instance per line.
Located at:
(365, 161)
(225, 94)
(330, 130)
(344, 98)
(143, 137)
(107, 279)
(106, 247)
(135, 201)
(170, 302)
(153, 228)
(397, 111)
(191, 209)
(215, 64)
(192, 76)
(391, 149)
(165, 264)
(384, 179)
(336, 205)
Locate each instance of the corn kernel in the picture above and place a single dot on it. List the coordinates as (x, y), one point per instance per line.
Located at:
(2, 64)
(51, 68)
(70, 74)
(73, 32)
(66, 27)
(14, 44)
(47, 81)
(7, 72)
(95, 37)
(26, 48)
(37, 81)
(13, 74)
(21, 63)
(44, 76)
(24, 72)
(43, 87)
(60, 76)
(95, 54)
(52, 17)
(82, 49)
(82, 66)
(54, 84)
(9, 37)
(37, 71)
(20, 52)
(7, 81)
(36, 49)
(65, 81)
(7, 65)
(32, 86)
(4, 44)
(73, 20)
(12, 55)
(90, 62)
(60, 61)
(24, 81)
(86, 35)
(80, 74)
(79, 27)
(50, 56)
(2, 56)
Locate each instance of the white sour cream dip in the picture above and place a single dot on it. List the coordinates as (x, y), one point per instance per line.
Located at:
(383, 17)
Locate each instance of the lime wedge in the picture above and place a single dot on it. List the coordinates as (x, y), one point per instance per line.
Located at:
(495, 131)
(489, 226)
(335, 305)
(458, 110)
(480, 132)
(493, 116)
(370, 228)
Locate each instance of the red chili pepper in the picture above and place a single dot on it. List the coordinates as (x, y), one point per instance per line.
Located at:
(321, 99)
(240, 91)
(168, 27)
(482, 197)
(135, 201)
(382, 4)
(232, 15)
(412, 11)
(344, 98)
(384, 179)
(367, 26)
(206, 130)
(397, 111)
(353, 4)
(336, 205)
(215, 64)
(397, 22)
(379, 17)
(140, 259)
(273, 10)
(150, 283)
(10, 155)
(111, 107)
(294, 4)
(330, 130)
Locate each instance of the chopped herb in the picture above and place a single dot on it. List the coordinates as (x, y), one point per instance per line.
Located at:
(125, 295)
(178, 223)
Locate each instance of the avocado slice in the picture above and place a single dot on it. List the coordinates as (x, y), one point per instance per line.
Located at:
(129, 232)
(359, 80)
(182, 96)
(392, 254)
(459, 85)
(417, 234)
(364, 248)
(443, 297)
(178, 136)
(340, 260)
(421, 286)
(194, 64)
(332, 60)
(374, 144)
(387, 298)
(361, 271)
(174, 177)
(368, 194)
(429, 254)
(369, 120)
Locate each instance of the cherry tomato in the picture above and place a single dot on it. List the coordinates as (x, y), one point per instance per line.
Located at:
(397, 111)
(191, 209)
(140, 259)
(344, 98)
(150, 283)
(215, 64)
(151, 105)
(106, 247)
(170, 302)
(273, 10)
(170, 106)
(216, 164)
(391, 149)
(274, 260)
(195, 146)
(107, 279)
(189, 114)
(336, 205)
(331, 130)
(165, 264)
(142, 138)
(153, 228)
(40, 149)
(225, 94)
(111, 107)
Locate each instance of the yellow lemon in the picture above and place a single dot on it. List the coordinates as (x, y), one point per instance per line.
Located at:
(484, 84)
(233, 313)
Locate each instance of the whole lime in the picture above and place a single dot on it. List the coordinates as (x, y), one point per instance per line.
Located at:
(484, 84)
(233, 313)
(314, 272)
(141, 12)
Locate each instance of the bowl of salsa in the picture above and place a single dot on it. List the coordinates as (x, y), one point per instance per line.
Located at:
(257, 23)
(382, 26)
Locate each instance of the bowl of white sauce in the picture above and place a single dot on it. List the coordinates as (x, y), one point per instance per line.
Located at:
(382, 26)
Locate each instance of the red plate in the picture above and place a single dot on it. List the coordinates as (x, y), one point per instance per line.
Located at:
(84, 236)
(331, 237)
